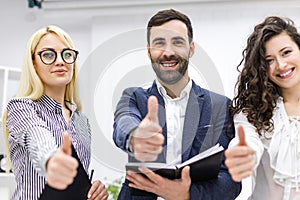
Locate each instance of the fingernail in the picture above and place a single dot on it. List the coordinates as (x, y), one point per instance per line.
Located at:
(129, 173)
(89, 196)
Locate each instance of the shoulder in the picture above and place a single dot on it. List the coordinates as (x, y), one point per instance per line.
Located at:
(208, 94)
(20, 103)
(21, 108)
(81, 116)
(81, 121)
(219, 98)
(138, 94)
(135, 91)
(78, 115)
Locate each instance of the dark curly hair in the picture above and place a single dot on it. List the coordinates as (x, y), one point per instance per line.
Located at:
(256, 94)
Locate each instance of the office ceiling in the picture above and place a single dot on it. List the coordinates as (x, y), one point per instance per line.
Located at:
(86, 4)
(85, 8)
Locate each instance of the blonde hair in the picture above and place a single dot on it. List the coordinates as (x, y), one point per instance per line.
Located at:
(31, 85)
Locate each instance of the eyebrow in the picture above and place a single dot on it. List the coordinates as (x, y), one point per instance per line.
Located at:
(158, 39)
(281, 50)
(284, 48)
(52, 49)
(163, 39)
(178, 38)
(47, 48)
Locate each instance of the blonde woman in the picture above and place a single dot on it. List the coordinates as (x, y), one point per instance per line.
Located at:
(44, 122)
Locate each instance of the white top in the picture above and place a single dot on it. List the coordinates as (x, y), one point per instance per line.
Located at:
(175, 114)
(277, 173)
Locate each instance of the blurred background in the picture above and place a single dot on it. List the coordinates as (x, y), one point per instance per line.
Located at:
(111, 38)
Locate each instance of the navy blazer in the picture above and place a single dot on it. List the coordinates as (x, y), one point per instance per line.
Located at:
(206, 123)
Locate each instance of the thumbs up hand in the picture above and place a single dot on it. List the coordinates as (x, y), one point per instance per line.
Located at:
(147, 139)
(61, 168)
(240, 159)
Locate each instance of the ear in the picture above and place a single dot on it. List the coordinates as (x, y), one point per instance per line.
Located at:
(192, 49)
(34, 65)
(148, 51)
(33, 60)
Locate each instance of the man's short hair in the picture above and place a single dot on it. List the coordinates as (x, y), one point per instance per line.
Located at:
(165, 16)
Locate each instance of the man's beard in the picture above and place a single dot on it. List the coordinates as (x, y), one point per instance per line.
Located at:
(170, 76)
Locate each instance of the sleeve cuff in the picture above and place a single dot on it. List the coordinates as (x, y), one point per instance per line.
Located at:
(128, 147)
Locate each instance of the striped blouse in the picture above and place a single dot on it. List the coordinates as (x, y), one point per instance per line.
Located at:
(35, 133)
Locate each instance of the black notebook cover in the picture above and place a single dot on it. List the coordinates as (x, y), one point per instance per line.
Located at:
(78, 190)
(204, 166)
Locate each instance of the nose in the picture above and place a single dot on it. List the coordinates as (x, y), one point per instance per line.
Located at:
(59, 60)
(281, 63)
(168, 51)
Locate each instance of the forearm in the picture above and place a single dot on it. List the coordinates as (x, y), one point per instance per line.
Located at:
(28, 131)
(39, 149)
(122, 131)
(251, 136)
(126, 118)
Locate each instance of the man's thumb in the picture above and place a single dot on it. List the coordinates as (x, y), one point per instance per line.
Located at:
(66, 144)
(241, 135)
(153, 109)
(185, 173)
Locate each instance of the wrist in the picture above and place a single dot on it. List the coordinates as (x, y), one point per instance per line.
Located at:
(129, 143)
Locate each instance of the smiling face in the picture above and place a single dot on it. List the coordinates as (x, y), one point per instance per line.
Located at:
(169, 50)
(283, 56)
(58, 74)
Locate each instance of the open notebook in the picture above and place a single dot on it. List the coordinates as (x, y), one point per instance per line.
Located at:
(203, 167)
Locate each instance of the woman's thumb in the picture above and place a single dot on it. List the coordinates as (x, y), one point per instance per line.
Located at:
(66, 144)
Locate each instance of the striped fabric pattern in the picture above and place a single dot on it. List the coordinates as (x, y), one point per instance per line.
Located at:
(36, 129)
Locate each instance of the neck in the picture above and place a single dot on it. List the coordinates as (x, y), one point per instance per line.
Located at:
(174, 90)
(291, 99)
(57, 94)
(291, 95)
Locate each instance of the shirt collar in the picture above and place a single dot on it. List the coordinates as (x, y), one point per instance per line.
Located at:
(51, 104)
(184, 93)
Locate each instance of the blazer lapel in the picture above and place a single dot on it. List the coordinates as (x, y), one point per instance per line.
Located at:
(161, 109)
(192, 120)
(162, 120)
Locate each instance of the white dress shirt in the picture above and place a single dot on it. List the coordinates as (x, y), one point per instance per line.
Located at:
(175, 115)
(277, 172)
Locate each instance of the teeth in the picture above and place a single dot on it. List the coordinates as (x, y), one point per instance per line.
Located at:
(168, 65)
(285, 74)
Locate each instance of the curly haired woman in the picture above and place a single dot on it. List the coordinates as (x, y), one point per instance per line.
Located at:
(266, 112)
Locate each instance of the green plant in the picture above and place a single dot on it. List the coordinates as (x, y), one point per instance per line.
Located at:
(114, 187)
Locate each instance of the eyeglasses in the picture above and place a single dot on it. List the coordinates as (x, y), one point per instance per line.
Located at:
(48, 56)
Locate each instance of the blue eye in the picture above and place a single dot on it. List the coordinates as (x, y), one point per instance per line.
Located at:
(67, 54)
(48, 55)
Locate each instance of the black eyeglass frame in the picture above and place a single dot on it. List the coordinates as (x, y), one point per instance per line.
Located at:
(61, 54)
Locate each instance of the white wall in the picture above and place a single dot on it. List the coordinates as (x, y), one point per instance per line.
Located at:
(112, 43)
